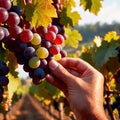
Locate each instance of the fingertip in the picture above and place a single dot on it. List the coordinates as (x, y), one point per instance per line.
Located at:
(53, 64)
(49, 78)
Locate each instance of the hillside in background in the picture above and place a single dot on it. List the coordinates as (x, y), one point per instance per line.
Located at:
(88, 31)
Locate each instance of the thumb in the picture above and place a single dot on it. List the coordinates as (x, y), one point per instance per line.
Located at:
(60, 72)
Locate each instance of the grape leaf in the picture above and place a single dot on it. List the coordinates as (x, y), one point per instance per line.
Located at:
(91, 5)
(105, 51)
(110, 66)
(40, 12)
(12, 63)
(13, 84)
(111, 35)
(45, 92)
(68, 2)
(87, 55)
(73, 37)
(68, 17)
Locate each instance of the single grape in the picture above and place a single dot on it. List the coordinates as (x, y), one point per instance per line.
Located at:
(29, 52)
(15, 31)
(3, 68)
(53, 28)
(41, 31)
(26, 36)
(5, 4)
(26, 68)
(45, 43)
(57, 57)
(36, 39)
(3, 15)
(54, 49)
(59, 39)
(50, 36)
(34, 62)
(13, 19)
(63, 53)
(39, 73)
(42, 52)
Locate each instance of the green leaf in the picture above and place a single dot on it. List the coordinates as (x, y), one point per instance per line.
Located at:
(73, 37)
(105, 51)
(87, 55)
(68, 17)
(111, 65)
(91, 5)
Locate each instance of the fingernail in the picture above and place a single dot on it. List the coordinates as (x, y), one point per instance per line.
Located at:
(53, 65)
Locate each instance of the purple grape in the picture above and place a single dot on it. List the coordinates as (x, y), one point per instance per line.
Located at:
(39, 73)
(3, 68)
(29, 52)
(3, 81)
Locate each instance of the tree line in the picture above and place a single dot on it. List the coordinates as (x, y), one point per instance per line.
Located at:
(88, 31)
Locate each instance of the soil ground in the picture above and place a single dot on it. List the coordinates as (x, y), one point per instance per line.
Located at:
(28, 108)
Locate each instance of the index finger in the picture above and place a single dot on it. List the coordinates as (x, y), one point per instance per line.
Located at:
(75, 63)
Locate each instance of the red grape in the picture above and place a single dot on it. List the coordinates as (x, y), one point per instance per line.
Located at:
(50, 36)
(53, 28)
(59, 39)
(26, 36)
(13, 19)
(3, 15)
(54, 49)
(5, 4)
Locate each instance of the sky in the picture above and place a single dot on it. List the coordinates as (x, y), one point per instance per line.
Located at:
(109, 12)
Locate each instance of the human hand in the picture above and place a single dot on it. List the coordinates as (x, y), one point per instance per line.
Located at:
(82, 85)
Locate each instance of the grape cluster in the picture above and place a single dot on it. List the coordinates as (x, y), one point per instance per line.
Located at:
(3, 79)
(116, 104)
(33, 47)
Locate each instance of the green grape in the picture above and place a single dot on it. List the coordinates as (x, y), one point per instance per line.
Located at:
(42, 52)
(36, 39)
(34, 62)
